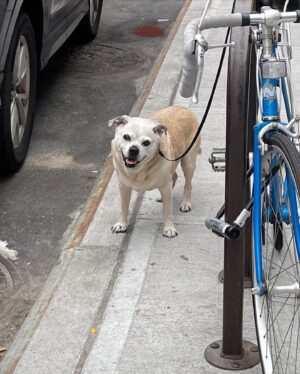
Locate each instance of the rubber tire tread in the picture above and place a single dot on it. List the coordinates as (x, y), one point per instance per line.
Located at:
(290, 151)
(86, 32)
(288, 148)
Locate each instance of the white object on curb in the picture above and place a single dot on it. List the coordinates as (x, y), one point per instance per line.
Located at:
(9, 254)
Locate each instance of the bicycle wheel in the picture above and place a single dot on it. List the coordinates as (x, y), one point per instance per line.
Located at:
(277, 312)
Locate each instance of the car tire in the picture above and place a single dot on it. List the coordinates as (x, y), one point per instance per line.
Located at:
(90, 23)
(18, 97)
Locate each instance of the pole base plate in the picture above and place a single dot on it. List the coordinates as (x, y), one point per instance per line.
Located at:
(214, 355)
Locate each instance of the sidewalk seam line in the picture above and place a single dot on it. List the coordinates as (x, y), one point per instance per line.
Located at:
(89, 342)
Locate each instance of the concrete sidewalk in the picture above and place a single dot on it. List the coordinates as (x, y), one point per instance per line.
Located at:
(141, 303)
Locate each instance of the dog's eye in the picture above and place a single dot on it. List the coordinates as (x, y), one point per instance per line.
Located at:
(146, 143)
(126, 137)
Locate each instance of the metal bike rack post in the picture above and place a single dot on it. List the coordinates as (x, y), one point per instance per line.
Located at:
(232, 352)
(251, 120)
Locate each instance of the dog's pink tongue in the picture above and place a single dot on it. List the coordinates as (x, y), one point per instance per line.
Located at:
(130, 162)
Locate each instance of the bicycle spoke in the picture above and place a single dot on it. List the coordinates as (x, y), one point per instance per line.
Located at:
(282, 271)
(289, 349)
(282, 346)
(274, 320)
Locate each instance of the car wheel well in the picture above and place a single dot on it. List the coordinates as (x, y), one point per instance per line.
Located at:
(36, 17)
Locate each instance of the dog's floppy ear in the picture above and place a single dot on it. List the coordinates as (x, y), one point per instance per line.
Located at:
(160, 129)
(119, 121)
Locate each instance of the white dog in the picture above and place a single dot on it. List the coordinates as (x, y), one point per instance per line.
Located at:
(139, 166)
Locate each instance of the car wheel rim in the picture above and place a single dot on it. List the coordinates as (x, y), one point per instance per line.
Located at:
(94, 5)
(20, 92)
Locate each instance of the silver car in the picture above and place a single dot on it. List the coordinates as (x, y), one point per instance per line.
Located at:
(30, 33)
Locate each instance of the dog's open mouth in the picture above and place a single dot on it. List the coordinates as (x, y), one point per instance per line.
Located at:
(130, 162)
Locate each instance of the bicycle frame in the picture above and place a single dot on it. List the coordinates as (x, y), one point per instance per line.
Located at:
(270, 113)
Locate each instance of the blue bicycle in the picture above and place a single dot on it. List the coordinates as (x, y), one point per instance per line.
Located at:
(274, 177)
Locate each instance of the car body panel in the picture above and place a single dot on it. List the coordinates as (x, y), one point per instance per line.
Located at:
(60, 18)
(9, 22)
(3, 9)
(30, 33)
(54, 27)
(5, 36)
(3, 13)
(77, 10)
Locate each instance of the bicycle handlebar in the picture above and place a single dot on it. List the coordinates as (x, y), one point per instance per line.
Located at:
(195, 44)
(270, 17)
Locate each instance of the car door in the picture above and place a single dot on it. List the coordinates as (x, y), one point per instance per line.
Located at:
(76, 11)
(55, 26)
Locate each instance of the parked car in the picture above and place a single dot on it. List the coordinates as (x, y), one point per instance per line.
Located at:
(30, 33)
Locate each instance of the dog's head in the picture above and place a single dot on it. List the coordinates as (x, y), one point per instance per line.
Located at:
(137, 139)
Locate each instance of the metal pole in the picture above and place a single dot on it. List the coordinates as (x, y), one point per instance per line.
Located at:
(232, 352)
(235, 197)
(251, 120)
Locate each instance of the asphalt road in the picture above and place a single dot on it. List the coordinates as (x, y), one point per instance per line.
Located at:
(80, 90)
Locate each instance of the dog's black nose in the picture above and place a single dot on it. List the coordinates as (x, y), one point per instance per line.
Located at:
(133, 151)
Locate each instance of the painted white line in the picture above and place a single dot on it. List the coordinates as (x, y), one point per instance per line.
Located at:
(109, 344)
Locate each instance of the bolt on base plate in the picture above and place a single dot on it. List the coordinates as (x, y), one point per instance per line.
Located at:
(213, 355)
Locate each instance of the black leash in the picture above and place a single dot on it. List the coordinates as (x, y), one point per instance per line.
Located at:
(208, 104)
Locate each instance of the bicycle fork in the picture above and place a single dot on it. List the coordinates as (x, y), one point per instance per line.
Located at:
(290, 196)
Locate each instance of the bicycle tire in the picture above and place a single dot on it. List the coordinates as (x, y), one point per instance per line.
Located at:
(277, 315)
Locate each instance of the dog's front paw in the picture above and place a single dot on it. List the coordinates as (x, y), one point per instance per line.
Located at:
(185, 207)
(119, 227)
(169, 232)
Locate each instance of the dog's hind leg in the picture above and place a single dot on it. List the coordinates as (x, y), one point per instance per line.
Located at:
(188, 164)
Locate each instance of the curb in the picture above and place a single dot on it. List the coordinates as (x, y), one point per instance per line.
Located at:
(81, 225)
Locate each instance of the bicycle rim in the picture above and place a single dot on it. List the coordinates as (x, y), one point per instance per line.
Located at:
(277, 313)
